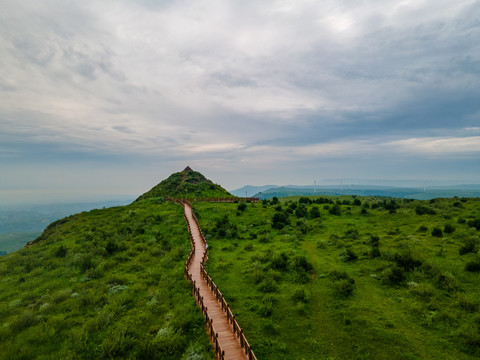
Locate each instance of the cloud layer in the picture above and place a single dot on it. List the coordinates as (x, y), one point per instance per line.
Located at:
(243, 90)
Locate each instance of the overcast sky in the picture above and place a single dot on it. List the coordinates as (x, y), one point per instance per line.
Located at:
(110, 97)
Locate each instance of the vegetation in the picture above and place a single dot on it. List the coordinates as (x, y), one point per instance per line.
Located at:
(374, 278)
(186, 184)
(316, 277)
(101, 285)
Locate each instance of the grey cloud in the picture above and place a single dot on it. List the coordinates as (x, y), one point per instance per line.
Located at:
(156, 79)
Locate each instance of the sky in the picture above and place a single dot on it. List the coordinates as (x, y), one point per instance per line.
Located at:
(106, 98)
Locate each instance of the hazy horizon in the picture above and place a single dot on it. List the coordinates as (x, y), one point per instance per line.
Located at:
(101, 99)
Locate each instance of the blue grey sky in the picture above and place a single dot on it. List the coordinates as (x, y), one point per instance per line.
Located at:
(101, 98)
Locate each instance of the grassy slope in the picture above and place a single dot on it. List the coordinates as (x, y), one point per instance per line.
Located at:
(290, 313)
(117, 292)
(186, 184)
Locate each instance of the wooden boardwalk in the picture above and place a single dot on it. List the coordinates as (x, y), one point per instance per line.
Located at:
(225, 337)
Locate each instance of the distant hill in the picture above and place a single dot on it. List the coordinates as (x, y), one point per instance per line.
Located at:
(186, 184)
(251, 190)
(372, 190)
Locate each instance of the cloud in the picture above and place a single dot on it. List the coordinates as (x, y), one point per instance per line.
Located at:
(238, 84)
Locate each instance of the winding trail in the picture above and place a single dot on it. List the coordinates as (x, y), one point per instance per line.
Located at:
(227, 339)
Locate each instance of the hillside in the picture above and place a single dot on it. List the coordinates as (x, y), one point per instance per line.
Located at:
(103, 284)
(350, 277)
(186, 184)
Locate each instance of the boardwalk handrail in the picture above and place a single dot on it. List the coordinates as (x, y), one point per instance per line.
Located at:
(238, 331)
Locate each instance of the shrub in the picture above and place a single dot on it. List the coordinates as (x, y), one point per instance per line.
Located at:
(474, 223)
(406, 261)
(111, 247)
(375, 252)
(344, 287)
(61, 251)
(302, 295)
(448, 229)
(461, 220)
(301, 262)
(437, 232)
(242, 206)
(470, 246)
(445, 280)
(348, 255)
(304, 200)
(335, 210)
(314, 212)
(301, 211)
(422, 228)
(342, 282)
(351, 234)
(357, 202)
(280, 220)
(423, 210)
(268, 285)
(394, 275)
(473, 265)
(279, 261)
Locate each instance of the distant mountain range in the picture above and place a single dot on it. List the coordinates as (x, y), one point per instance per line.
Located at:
(420, 193)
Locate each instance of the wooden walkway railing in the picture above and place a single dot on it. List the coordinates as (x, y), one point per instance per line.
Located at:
(237, 330)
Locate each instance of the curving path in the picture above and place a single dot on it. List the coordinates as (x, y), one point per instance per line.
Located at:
(227, 339)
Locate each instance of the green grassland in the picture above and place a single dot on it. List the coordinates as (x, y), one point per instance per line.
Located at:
(350, 277)
(103, 284)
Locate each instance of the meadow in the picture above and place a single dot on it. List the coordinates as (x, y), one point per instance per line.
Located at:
(103, 284)
(350, 277)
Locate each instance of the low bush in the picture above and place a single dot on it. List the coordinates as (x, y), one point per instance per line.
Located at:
(394, 275)
(407, 261)
(474, 223)
(470, 245)
(437, 232)
(348, 255)
(473, 265)
(423, 210)
(448, 229)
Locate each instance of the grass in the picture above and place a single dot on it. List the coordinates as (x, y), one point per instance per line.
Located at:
(364, 282)
(100, 285)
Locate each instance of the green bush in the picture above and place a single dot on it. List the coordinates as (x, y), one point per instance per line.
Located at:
(242, 206)
(470, 245)
(448, 229)
(302, 295)
(280, 220)
(445, 280)
(437, 232)
(335, 210)
(474, 223)
(407, 261)
(61, 251)
(314, 212)
(344, 287)
(473, 265)
(394, 275)
(423, 210)
(348, 255)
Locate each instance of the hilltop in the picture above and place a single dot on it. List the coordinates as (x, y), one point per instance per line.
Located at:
(186, 184)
